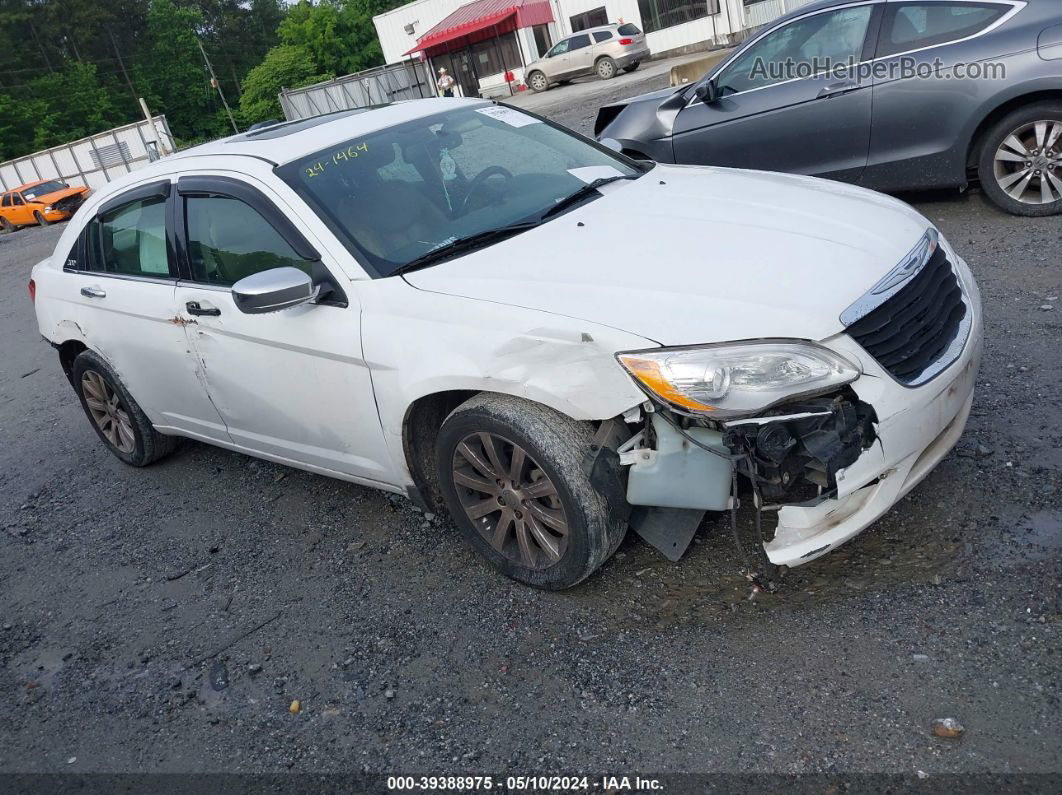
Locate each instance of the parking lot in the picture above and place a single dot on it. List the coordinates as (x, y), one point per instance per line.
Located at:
(165, 619)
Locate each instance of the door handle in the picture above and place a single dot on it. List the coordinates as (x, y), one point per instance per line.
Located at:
(194, 308)
(837, 89)
(93, 292)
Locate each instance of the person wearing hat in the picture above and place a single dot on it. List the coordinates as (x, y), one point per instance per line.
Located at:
(445, 83)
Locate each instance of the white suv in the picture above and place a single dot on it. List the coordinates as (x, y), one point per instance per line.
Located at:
(467, 304)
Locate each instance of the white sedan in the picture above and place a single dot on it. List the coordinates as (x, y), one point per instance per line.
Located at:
(467, 304)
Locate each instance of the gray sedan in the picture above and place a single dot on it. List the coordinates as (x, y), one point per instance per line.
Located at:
(890, 94)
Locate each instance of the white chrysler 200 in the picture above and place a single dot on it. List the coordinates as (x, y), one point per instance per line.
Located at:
(467, 304)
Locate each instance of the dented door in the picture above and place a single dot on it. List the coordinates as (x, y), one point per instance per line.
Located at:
(292, 384)
(121, 282)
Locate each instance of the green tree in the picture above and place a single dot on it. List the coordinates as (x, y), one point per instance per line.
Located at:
(283, 67)
(172, 74)
(71, 104)
(337, 34)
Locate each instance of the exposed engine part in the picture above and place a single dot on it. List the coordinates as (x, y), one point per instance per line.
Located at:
(684, 468)
(796, 457)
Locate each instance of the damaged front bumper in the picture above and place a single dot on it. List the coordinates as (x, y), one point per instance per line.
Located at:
(828, 467)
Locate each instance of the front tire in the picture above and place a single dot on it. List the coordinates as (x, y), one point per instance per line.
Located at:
(114, 415)
(39, 218)
(511, 475)
(1020, 161)
(538, 82)
(605, 68)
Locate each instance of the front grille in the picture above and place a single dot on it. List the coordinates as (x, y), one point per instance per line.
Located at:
(70, 204)
(910, 332)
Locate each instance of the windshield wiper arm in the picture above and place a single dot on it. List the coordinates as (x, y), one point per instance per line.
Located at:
(464, 244)
(576, 197)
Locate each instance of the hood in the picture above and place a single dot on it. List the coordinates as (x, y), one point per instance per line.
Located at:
(653, 114)
(56, 195)
(687, 255)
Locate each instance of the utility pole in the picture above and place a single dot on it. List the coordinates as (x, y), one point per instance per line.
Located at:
(216, 84)
(162, 150)
(121, 65)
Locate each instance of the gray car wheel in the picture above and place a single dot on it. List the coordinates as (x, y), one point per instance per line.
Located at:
(41, 220)
(512, 477)
(605, 68)
(1020, 162)
(117, 419)
(537, 81)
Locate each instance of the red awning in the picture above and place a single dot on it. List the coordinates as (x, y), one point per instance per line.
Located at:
(478, 16)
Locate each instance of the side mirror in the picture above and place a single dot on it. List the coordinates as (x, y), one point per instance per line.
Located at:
(707, 92)
(273, 290)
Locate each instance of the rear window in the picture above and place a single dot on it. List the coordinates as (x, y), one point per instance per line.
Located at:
(912, 26)
(628, 29)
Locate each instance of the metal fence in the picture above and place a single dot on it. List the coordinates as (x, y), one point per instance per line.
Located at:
(96, 160)
(764, 11)
(377, 86)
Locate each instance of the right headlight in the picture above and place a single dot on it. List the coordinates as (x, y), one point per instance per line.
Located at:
(738, 378)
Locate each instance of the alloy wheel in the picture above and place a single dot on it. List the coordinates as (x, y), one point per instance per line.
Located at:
(1028, 164)
(107, 411)
(510, 500)
(606, 69)
(538, 81)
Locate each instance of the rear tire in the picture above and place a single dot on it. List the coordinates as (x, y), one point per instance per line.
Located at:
(114, 415)
(537, 518)
(41, 220)
(605, 68)
(632, 67)
(1020, 160)
(6, 225)
(538, 82)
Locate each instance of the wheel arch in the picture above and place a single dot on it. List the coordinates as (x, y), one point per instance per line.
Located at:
(1014, 103)
(420, 428)
(68, 351)
(422, 421)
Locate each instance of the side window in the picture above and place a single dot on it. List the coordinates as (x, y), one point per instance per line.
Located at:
(130, 240)
(7, 200)
(559, 48)
(911, 26)
(578, 42)
(228, 240)
(628, 29)
(17, 198)
(822, 40)
(602, 35)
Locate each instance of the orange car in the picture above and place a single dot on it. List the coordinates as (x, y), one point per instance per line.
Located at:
(40, 203)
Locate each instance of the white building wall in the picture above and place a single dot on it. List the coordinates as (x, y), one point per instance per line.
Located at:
(423, 15)
(732, 18)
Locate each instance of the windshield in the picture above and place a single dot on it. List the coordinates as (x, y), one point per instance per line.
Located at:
(29, 194)
(397, 194)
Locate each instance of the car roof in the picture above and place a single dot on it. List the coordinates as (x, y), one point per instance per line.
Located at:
(282, 143)
(609, 26)
(34, 183)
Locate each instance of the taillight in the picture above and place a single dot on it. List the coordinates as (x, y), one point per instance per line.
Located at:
(33, 291)
(625, 42)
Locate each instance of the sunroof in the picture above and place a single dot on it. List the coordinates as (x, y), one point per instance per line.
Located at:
(289, 127)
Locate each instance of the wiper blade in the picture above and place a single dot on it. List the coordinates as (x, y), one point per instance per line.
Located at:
(576, 197)
(464, 244)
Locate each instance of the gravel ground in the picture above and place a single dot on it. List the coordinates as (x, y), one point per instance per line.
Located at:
(165, 619)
